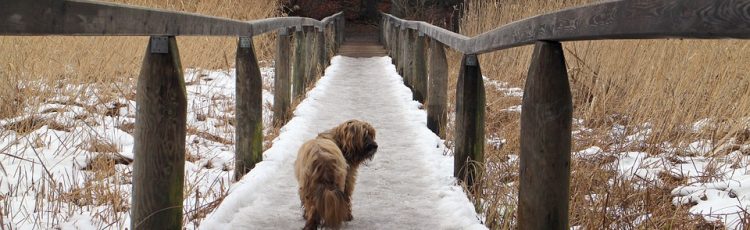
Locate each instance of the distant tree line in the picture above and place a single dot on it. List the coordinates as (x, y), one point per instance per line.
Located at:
(445, 13)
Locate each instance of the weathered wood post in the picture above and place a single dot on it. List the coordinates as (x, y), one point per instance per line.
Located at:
(437, 101)
(322, 54)
(343, 29)
(159, 163)
(282, 81)
(249, 118)
(404, 53)
(396, 46)
(311, 63)
(409, 60)
(469, 136)
(401, 49)
(546, 119)
(298, 71)
(420, 68)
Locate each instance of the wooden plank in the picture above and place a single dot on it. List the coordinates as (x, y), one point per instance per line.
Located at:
(249, 116)
(160, 128)
(437, 100)
(84, 17)
(298, 71)
(469, 134)
(282, 111)
(546, 118)
(420, 69)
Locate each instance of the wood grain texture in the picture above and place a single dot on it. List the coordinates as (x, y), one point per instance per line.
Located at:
(282, 110)
(409, 60)
(402, 49)
(395, 40)
(620, 19)
(546, 118)
(249, 115)
(321, 52)
(298, 70)
(84, 17)
(469, 134)
(311, 62)
(420, 69)
(160, 125)
(437, 100)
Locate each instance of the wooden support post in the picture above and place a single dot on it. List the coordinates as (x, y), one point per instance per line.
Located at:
(396, 50)
(249, 118)
(159, 163)
(546, 119)
(402, 54)
(298, 71)
(343, 29)
(420, 69)
(322, 54)
(282, 82)
(310, 63)
(437, 101)
(409, 60)
(469, 136)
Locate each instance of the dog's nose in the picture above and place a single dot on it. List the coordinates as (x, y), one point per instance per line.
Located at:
(374, 146)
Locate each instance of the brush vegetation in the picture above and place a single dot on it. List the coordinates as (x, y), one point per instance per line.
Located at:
(665, 84)
(62, 70)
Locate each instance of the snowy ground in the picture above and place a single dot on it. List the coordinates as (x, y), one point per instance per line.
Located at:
(48, 173)
(717, 186)
(408, 185)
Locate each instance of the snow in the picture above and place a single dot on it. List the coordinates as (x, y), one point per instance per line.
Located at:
(42, 170)
(409, 182)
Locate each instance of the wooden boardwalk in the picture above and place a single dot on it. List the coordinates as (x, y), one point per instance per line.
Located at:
(361, 41)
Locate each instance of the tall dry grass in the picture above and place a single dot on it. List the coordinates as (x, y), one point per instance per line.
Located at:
(50, 68)
(665, 84)
(55, 60)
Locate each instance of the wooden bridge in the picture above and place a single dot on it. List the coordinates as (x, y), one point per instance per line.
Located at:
(547, 106)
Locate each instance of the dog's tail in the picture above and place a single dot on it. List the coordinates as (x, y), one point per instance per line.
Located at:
(331, 200)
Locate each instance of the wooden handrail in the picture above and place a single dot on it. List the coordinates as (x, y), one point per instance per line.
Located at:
(92, 18)
(621, 19)
(447, 37)
(546, 120)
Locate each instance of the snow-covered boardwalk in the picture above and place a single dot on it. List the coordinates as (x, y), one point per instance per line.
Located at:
(408, 184)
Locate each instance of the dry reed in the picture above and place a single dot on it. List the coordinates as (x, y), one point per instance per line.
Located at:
(664, 84)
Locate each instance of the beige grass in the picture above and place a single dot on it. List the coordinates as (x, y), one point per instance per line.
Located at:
(667, 83)
(53, 59)
(35, 70)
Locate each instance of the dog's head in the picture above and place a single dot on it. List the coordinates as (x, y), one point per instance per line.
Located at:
(356, 140)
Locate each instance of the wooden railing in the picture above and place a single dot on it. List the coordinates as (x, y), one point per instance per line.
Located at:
(547, 105)
(158, 170)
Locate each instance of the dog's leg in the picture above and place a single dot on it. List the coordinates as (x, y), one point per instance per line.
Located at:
(302, 203)
(351, 179)
(312, 223)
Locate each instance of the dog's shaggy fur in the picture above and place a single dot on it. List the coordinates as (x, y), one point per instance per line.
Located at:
(326, 170)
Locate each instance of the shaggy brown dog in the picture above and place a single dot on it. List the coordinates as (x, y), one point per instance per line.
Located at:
(326, 170)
